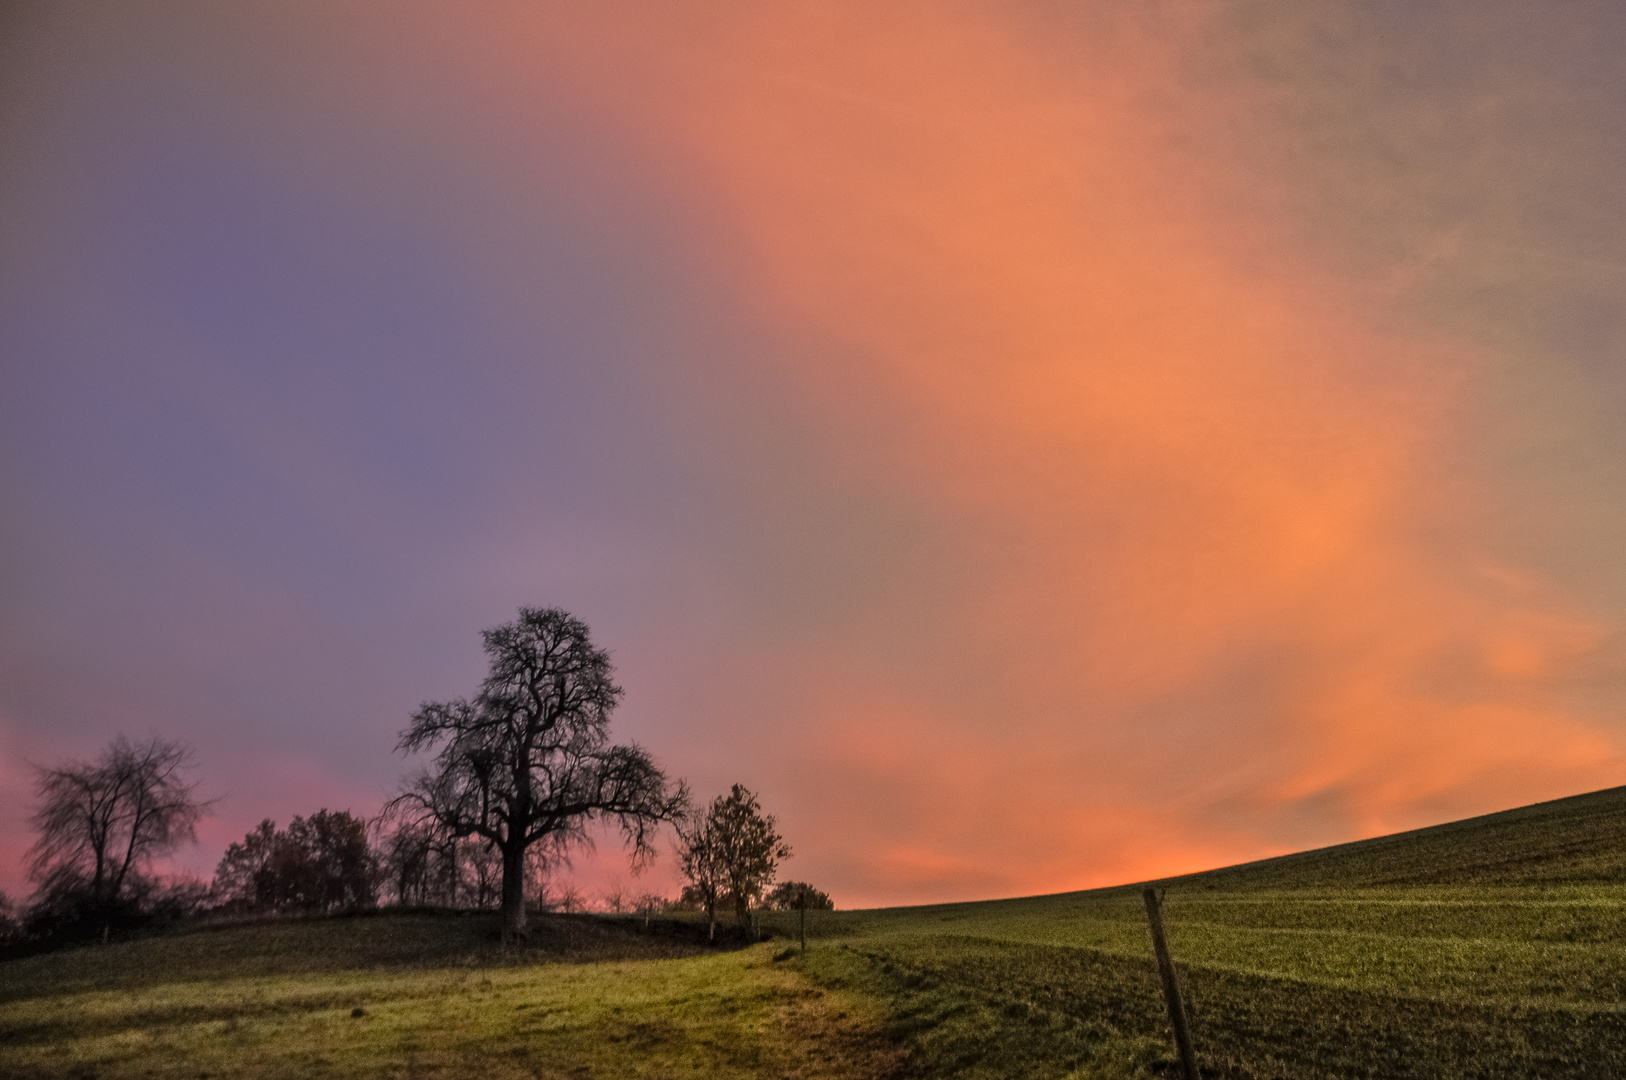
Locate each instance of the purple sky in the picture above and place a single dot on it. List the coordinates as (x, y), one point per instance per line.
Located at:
(330, 336)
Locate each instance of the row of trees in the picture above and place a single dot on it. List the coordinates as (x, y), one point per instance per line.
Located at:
(334, 861)
(521, 772)
(327, 863)
(319, 863)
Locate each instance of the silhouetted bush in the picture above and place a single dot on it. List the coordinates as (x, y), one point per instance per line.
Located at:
(798, 895)
(320, 863)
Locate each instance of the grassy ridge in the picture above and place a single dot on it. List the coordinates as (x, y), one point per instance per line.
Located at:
(1491, 947)
(289, 947)
(1576, 840)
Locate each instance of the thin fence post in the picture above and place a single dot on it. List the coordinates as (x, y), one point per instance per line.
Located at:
(1171, 988)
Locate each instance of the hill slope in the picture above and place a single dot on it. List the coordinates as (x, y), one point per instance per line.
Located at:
(1571, 841)
(1489, 947)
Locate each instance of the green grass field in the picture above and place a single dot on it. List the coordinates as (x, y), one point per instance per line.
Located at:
(427, 996)
(1493, 947)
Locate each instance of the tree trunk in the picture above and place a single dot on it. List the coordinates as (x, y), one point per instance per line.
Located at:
(96, 882)
(513, 894)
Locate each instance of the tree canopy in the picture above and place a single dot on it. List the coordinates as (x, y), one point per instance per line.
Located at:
(528, 760)
(732, 849)
(319, 863)
(798, 896)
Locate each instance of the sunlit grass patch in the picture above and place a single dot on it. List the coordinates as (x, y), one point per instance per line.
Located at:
(720, 1015)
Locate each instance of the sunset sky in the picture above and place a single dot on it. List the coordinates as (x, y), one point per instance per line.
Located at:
(1033, 445)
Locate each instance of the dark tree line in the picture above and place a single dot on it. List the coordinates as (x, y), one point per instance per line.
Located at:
(798, 896)
(317, 864)
(520, 772)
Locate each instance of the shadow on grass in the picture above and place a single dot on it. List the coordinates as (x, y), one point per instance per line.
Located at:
(383, 939)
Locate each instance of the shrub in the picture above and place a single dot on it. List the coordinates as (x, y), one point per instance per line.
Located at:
(799, 895)
(319, 863)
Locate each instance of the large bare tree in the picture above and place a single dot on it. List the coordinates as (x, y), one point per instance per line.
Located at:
(102, 822)
(529, 761)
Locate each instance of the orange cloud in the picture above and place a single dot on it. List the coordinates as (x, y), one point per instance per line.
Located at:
(1204, 594)
(1035, 297)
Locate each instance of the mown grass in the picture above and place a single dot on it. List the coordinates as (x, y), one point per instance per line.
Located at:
(1494, 947)
(431, 997)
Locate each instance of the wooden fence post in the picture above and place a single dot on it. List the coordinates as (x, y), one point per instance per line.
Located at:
(1171, 988)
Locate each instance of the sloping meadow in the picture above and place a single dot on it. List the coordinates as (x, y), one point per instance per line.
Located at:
(1493, 947)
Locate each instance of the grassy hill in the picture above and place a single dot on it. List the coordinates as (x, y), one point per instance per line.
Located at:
(1491, 947)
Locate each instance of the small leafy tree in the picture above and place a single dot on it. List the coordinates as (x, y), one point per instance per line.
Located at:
(419, 864)
(423, 863)
(749, 847)
(101, 824)
(732, 849)
(701, 862)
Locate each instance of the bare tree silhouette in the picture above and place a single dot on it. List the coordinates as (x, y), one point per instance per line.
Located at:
(529, 760)
(102, 822)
